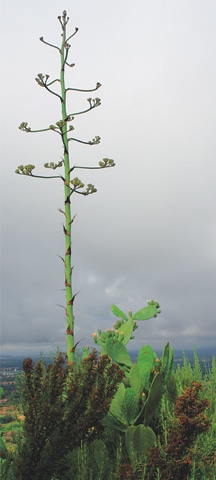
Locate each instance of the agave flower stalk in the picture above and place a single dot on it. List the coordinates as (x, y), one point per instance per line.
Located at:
(63, 128)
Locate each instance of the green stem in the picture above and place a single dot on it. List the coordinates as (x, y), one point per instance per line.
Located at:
(70, 186)
(67, 203)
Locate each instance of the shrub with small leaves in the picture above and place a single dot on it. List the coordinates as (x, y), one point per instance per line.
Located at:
(174, 460)
(63, 405)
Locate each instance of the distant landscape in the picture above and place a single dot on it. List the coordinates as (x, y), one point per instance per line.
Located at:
(204, 354)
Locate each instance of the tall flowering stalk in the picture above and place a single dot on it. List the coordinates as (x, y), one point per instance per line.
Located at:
(63, 128)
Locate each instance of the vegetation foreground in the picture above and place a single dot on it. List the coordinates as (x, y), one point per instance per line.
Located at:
(77, 424)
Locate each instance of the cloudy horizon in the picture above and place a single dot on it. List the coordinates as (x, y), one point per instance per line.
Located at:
(150, 230)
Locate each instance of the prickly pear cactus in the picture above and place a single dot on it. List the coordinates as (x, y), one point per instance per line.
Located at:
(116, 417)
(124, 327)
(118, 352)
(131, 405)
(123, 410)
(152, 310)
(141, 371)
(137, 399)
(113, 341)
(154, 398)
(118, 313)
(138, 440)
(167, 362)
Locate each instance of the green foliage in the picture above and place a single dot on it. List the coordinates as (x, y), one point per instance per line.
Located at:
(178, 453)
(183, 402)
(125, 326)
(63, 406)
(138, 440)
(154, 397)
(6, 419)
(167, 362)
(152, 310)
(187, 373)
(191, 409)
(137, 400)
(147, 312)
(118, 352)
(100, 457)
(3, 448)
(117, 417)
(174, 459)
(2, 392)
(113, 341)
(203, 465)
(91, 462)
(118, 313)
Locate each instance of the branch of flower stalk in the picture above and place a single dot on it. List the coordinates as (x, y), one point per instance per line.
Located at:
(23, 126)
(98, 85)
(53, 81)
(38, 176)
(42, 82)
(63, 17)
(72, 35)
(53, 165)
(95, 141)
(41, 79)
(96, 103)
(89, 190)
(53, 93)
(105, 163)
(27, 170)
(49, 44)
(67, 47)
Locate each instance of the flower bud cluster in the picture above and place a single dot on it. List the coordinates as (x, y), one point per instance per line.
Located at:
(42, 79)
(95, 141)
(106, 162)
(90, 189)
(76, 182)
(25, 169)
(53, 165)
(23, 126)
(101, 337)
(94, 102)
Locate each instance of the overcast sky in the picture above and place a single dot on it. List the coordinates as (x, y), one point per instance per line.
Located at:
(150, 230)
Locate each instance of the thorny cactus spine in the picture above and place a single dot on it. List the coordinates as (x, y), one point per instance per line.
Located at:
(63, 128)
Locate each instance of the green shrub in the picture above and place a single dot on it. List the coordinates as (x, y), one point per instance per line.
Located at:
(6, 419)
